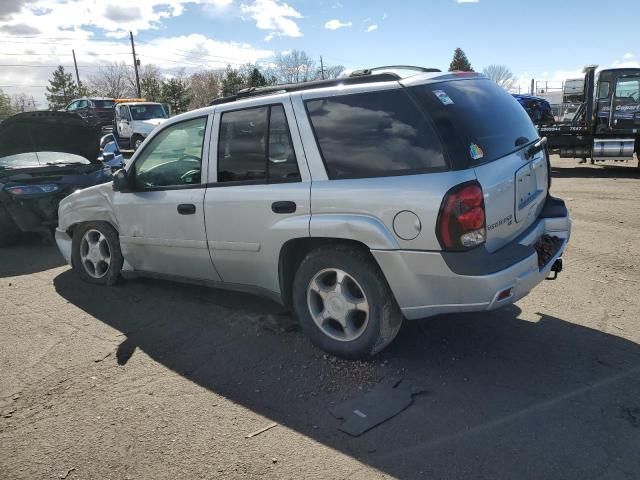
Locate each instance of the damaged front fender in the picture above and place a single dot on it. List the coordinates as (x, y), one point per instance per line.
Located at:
(90, 204)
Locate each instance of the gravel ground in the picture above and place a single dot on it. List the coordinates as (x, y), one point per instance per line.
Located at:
(155, 380)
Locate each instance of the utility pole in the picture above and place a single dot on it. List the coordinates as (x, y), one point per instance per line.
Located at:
(135, 64)
(321, 68)
(76, 65)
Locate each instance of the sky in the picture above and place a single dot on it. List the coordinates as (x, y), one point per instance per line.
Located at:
(546, 39)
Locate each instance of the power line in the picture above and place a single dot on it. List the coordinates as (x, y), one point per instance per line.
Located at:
(47, 66)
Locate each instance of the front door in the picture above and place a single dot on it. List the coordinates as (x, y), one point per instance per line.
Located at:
(123, 121)
(259, 193)
(161, 222)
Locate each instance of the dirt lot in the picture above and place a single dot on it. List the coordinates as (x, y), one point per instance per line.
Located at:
(156, 380)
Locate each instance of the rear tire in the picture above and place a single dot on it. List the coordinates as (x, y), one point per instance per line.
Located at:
(96, 254)
(9, 231)
(344, 303)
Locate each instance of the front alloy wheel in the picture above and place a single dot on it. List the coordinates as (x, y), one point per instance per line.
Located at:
(95, 253)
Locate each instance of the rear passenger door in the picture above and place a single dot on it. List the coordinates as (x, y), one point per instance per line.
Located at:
(258, 192)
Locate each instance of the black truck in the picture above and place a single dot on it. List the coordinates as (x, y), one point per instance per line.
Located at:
(606, 126)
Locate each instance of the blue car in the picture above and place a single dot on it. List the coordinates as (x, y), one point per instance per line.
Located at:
(537, 108)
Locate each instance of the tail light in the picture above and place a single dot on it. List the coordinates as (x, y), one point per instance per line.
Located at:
(461, 221)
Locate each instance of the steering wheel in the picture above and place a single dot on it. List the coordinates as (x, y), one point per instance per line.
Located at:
(190, 173)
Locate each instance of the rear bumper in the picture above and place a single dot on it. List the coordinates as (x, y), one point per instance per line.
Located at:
(431, 283)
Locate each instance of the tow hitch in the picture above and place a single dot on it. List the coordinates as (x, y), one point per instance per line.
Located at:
(556, 268)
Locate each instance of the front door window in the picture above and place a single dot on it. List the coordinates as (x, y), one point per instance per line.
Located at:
(173, 157)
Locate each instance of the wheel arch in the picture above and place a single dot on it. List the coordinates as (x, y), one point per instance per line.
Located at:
(295, 250)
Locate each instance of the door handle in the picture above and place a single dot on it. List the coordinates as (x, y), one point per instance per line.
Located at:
(283, 207)
(186, 209)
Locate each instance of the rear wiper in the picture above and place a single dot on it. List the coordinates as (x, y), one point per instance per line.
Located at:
(535, 148)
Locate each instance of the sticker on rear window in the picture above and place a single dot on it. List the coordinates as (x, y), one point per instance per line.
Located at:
(443, 97)
(476, 152)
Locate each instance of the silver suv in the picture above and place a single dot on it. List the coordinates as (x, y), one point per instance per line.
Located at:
(357, 202)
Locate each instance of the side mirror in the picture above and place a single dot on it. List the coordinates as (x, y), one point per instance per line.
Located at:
(121, 181)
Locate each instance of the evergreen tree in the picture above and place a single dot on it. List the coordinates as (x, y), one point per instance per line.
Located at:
(151, 89)
(233, 82)
(176, 94)
(460, 62)
(61, 90)
(256, 79)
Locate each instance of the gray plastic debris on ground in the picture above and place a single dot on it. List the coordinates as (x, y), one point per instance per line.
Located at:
(385, 401)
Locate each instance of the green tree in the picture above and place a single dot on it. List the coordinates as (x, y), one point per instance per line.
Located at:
(151, 83)
(232, 82)
(256, 79)
(6, 110)
(460, 62)
(61, 90)
(176, 94)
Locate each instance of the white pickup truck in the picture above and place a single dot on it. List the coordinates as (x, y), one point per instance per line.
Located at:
(135, 120)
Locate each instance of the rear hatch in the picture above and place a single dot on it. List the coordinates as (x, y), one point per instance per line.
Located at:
(487, 130)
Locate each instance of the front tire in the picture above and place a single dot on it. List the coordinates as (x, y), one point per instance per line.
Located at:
(344, 303)
(136, 141)
(96, 254)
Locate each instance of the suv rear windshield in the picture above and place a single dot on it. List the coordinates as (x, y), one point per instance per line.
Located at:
(103, 103)
(490, 122)
(375, 134)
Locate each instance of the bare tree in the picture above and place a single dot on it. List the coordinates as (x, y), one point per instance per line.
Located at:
(332, 71)
(21, 102)
(294, 67)
(204, 87)
(113, 80)
(501, 75)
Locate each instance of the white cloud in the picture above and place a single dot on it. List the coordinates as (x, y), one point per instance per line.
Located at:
(273, 16)
(468, 1)
(628, 61)
(385, 16)
(371, 28)
(335, 24)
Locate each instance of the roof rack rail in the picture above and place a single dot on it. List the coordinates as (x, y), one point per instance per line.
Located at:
(369, 71)
(293, 87)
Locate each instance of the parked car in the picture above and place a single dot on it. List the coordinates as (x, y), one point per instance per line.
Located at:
(135, 120)
(44, 156)
(96, 111)
(538, 109)
(359, 202)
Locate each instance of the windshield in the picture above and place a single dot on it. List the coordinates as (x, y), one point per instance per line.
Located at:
(40, 159)
(147, 112)
(103, 103)
(489, 121)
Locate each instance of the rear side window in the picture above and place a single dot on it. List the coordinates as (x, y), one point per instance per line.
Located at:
(103, 103)
(489, 122)
(255, 144)
(374, 134)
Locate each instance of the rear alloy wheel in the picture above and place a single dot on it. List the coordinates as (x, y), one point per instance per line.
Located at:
(96, 253)
(343, 302)
(338, 304)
